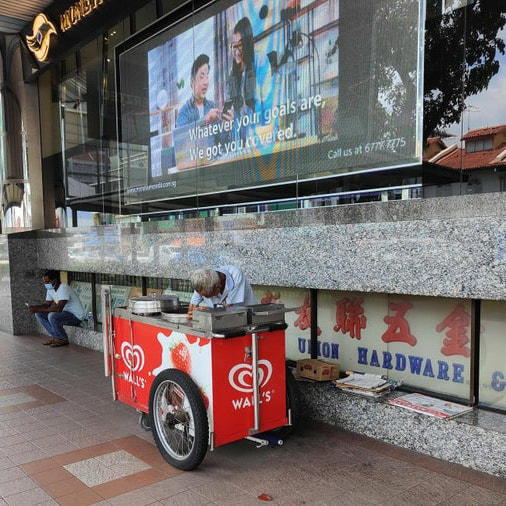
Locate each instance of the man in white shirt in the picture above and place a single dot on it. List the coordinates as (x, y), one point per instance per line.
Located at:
(61, 307)
(225, 286)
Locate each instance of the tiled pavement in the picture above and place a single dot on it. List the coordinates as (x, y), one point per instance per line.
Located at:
(64, 441)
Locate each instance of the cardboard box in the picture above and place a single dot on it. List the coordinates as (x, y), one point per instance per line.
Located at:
(317, 370)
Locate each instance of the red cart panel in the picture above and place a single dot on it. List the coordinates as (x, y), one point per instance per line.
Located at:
(233, 385)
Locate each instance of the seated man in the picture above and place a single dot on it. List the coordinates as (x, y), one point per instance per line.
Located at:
(226, 286)
(62, 307)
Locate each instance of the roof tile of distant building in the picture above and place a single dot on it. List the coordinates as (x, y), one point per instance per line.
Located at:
(460, 159)
(455, 157)
(483, 132)
(435, 140)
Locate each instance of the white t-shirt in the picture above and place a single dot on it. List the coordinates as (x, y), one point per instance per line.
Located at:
(237, 292)
(73, 304)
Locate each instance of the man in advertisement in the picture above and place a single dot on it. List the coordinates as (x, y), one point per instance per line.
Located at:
(61, 307)
(199, 110)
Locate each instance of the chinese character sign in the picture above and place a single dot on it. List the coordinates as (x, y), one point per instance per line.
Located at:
(303, 322)
(398, 326)
(457, 323)
(350, 317)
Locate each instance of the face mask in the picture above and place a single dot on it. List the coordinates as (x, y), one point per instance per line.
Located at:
(48, 286)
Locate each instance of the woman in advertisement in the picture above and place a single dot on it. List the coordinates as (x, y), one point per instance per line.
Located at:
(242, 80)
(249, 76)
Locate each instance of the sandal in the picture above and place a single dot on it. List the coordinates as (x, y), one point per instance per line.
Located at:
(59, 342)
(48, 343)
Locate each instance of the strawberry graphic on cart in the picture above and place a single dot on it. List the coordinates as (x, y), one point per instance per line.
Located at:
(181, 358)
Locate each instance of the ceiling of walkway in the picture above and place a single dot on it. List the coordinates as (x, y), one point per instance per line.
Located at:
(15, 14)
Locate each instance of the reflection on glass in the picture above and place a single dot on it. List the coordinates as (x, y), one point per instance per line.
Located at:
(88, 119)
(465, 110)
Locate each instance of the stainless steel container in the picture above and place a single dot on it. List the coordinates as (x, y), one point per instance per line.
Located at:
(144, 305)
(149, 305)
(169, 303)
(219, 320)
(263, 314)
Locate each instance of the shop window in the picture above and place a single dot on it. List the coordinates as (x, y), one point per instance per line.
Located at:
(82, 284)
(162, 286)
(423, 342)
(123, 287)
(492, 352)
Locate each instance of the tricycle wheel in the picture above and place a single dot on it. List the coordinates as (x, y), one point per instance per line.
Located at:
(178, 419)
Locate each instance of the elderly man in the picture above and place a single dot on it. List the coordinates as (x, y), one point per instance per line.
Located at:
(226, 286)
(61, 307)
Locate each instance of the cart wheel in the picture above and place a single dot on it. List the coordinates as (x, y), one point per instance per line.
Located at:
(144, 421)
(178, 419)
(292, 403)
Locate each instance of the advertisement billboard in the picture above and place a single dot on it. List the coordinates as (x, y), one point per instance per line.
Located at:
(257, 92)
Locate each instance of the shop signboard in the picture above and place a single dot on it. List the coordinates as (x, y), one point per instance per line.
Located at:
(423, 342)
(252, 93)
(67, 24)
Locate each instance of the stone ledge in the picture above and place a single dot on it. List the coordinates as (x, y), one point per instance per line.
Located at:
(85, 337)
(465, 440)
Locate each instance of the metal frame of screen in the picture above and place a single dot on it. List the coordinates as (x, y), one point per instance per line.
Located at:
(130, 44)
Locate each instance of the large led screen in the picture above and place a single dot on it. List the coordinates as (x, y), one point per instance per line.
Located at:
(258, 92)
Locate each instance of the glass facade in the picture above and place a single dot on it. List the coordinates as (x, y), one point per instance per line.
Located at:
(464, 132)
(96, 175)
(464, 114)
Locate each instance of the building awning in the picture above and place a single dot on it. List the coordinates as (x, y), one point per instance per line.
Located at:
(14, 15)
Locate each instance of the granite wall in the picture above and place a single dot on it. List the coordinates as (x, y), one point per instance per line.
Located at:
(451, 247)
(5, 287)
(25, 281)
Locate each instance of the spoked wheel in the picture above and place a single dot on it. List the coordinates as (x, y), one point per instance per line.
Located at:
(178, 419)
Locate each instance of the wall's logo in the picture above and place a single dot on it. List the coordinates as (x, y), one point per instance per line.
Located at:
(39, 42)
(241, 376)
(133, 356)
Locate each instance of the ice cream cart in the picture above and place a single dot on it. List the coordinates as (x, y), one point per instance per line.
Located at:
(202, 383)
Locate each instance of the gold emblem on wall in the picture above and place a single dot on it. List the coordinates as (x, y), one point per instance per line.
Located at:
(39, 42)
